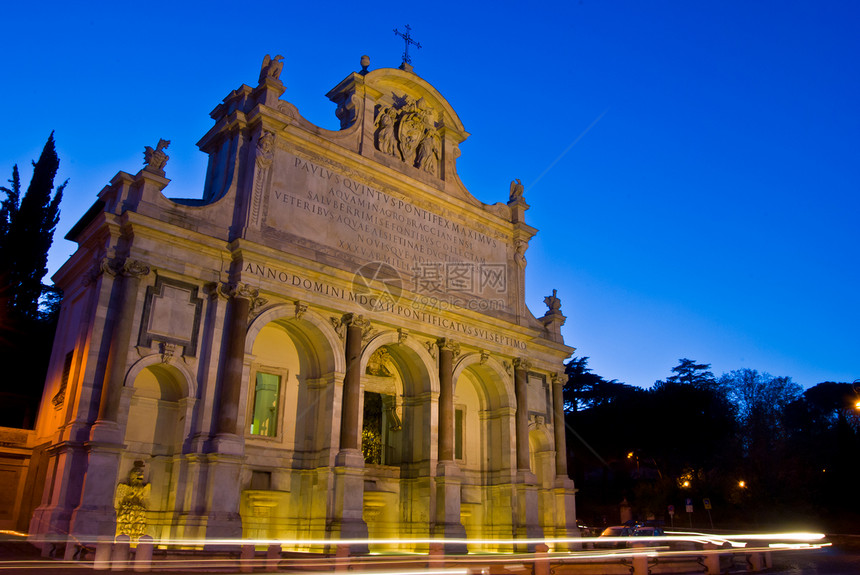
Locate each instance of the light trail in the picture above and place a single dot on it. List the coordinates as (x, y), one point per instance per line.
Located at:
(411, 556)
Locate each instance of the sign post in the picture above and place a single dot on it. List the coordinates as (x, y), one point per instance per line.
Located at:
(690, 511)
(707, 503)
(672, 515)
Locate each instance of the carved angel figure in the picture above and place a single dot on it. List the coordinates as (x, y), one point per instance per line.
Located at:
(428, 153)
(271, 68)
(385, 138)
(154, 160)
(516, 190)
(131, 501)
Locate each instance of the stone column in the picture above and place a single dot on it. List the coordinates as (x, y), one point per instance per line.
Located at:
(527, 496)
(225, 463)
(558, 426)
(95, 514)
(447, 349)
(132, 271)
(241, 296)
(521, 378)
(448, 477)
(347, 520)
(565, 504)
(349, 415)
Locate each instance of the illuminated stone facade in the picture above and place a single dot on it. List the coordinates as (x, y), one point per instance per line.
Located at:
(332, 342)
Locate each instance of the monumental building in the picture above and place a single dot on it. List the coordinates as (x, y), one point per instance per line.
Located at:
(332, 342)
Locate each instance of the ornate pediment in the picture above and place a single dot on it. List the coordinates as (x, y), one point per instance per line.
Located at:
(408, 129)
(408, 121)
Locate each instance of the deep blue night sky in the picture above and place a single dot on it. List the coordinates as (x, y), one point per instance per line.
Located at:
(692, 167)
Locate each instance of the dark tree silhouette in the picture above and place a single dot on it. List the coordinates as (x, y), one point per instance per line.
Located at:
(584, 389)
(28, 309)
(28, 232)
(691, 373)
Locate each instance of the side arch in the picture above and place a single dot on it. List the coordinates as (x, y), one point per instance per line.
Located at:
(179, 372)
(325, 340)
(410, 348)
(498, 385)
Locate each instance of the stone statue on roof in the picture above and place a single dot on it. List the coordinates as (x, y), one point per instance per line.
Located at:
(516, 190)
(271, 68)
(154, 160)
(552, 302)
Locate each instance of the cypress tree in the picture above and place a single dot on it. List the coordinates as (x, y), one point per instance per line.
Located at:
(28, 309)
(27, 232)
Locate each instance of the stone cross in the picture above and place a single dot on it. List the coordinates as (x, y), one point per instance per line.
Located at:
(407, 39)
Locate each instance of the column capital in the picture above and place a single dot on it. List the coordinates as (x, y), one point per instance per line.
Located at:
(135, 268)
(355, 320)
(522, 363)
(448, 344)
(556, 379)
(118, 267)
(239, 290)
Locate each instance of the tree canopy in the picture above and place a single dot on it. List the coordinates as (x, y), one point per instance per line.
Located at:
(757, 446)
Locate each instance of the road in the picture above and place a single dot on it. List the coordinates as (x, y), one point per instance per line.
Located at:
(830, 561)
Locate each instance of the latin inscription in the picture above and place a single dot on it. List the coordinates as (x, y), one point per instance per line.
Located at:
(325, 206)
(419, 311)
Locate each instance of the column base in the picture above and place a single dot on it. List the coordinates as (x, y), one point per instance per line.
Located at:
(527, 513)
(223, 492)
(448, 524)
(95, 516)
(348, 521)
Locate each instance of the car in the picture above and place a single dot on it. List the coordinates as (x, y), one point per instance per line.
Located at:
(648, 531)
(629, 530)
(615, 531)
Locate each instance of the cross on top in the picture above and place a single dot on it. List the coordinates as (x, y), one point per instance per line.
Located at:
(407, 39)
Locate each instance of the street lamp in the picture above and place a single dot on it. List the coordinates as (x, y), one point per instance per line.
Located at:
(856, 385)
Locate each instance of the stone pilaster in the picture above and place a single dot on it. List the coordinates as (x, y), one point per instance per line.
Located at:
(95, 514)
(131, 271)
(223, 486)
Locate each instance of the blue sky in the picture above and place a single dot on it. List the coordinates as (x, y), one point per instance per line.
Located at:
(692, 167)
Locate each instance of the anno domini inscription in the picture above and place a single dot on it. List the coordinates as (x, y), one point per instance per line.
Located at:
(342, 213)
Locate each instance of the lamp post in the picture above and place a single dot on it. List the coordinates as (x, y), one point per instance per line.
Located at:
(856, 385)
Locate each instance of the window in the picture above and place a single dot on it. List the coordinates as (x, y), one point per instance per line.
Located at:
(371, 430)
(264, 417)
(380, 431)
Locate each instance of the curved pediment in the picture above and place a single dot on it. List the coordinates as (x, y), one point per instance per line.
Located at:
(397, 89)
(405, 124)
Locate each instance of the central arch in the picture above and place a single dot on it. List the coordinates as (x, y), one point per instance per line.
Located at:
(294, 362)
(403, 374)
(486, 452)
